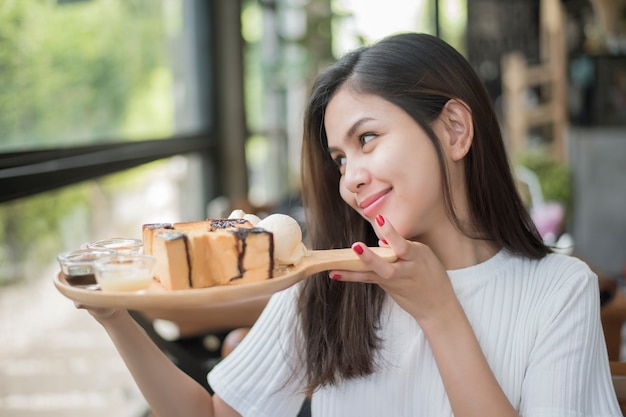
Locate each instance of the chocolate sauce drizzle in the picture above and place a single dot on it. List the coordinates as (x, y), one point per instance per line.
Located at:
(189, 266)
(241, 235)
(215, 224)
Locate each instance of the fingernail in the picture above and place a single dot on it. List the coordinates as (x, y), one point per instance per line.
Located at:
(380, 219)
(335, 277)
(384, 241)
(358, 249)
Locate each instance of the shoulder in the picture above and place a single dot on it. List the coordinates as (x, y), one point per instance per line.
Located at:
(551, 280)
(557, 280)
(509, 272)
(567, 269)
(554, 268)
(564, 262)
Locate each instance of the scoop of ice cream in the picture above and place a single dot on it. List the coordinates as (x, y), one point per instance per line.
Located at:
(288, 246)
(240, 214)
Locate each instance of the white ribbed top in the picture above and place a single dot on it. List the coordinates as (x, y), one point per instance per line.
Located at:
(538, 323)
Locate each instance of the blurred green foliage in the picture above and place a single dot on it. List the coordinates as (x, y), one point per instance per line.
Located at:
(554, 177)
(30, 232)
(72, 74)
(67, 71)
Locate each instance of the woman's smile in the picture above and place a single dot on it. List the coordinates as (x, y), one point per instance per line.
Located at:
(371, 205)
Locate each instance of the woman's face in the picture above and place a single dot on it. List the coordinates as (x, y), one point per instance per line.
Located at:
(387, 162)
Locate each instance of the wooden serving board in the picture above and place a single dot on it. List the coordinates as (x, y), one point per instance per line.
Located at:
(183, 304)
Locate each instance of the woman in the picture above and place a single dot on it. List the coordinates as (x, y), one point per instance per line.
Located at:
(476, 317)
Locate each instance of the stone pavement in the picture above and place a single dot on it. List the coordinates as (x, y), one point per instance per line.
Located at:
(57, 361)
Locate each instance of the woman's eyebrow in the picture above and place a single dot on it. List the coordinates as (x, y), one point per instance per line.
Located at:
(351, 132)
(356, 126)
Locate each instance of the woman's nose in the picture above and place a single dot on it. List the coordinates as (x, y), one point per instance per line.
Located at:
(356, 174)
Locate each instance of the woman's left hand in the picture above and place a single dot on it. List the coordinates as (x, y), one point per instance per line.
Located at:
(417, 281)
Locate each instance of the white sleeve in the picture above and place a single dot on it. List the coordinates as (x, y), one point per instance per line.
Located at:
(258, 378)
(568, 372)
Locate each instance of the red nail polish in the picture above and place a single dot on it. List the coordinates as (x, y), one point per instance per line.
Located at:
(335, 277)
(380, 219)
(384, 241)
(358, 249)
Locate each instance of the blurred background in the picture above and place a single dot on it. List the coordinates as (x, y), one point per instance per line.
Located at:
(115, 113)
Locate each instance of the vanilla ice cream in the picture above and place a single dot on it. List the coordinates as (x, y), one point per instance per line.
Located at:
(288, 246)
(240, 214)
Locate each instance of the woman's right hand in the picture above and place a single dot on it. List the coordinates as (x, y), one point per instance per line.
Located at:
(417, 281)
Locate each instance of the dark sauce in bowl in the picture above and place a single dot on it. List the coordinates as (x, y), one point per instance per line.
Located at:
(80, 280)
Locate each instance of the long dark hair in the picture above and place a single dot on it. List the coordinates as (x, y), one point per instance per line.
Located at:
(420, 74)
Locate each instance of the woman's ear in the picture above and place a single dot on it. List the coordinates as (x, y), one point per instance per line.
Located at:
(457, 118)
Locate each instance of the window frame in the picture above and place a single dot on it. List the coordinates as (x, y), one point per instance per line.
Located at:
(28, 173)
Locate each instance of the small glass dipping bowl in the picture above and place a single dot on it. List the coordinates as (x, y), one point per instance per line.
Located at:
(121, 245)
(77, 265)
(124, 272)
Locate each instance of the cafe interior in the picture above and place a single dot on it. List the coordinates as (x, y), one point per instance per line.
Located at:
(179, 110)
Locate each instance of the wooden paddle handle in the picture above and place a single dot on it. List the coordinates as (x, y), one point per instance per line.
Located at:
(324, 260)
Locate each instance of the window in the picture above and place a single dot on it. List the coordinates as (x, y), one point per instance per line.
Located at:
(107, 121)
(94, 72)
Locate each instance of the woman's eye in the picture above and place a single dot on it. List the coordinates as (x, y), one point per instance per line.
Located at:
(366, 137)
(339, 160)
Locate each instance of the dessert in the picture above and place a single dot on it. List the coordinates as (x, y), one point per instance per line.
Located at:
(150, 230)
(172, 266)
(240, 214)
(238, 249)
(288, 246)
(212, 225)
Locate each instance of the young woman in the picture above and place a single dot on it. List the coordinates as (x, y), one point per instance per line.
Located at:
(476, 317)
